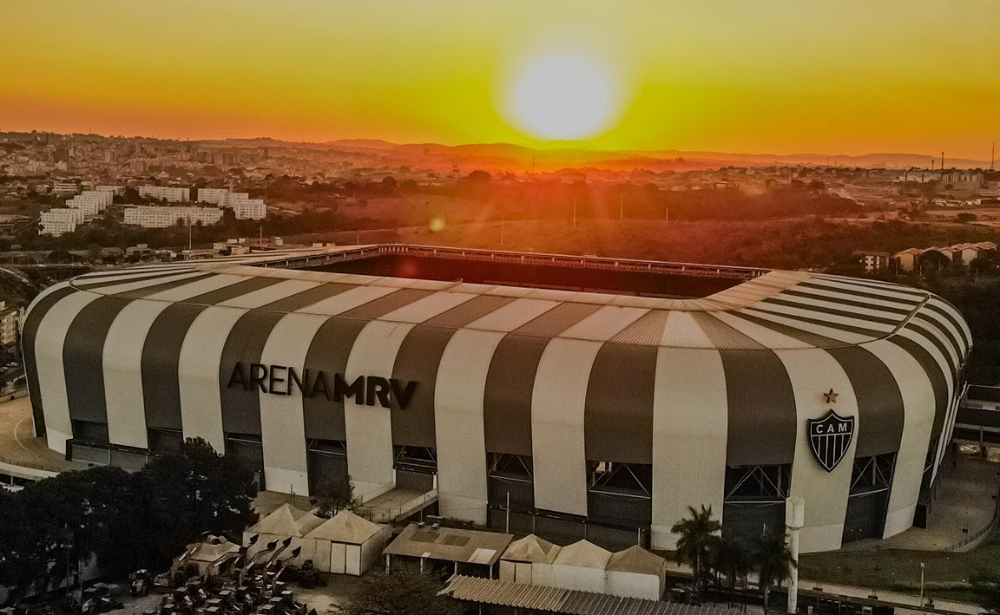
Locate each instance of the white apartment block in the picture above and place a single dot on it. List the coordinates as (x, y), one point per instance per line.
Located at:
(221, 196)
(92, 202)
(163, 217)
(114, 190)
(249, 209)
(64, 188)
(9, 320)
(170, 193)
(60, 220)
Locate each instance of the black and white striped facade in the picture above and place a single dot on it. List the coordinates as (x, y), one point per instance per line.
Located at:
(696, 397)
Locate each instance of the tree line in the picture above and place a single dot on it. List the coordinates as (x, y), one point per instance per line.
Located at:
(51, 528)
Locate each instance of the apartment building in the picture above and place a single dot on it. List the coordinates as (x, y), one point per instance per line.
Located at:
(249, 209)
(92, 202)
(59, 220)
(170, 193)
(9, 321)
(163, 217)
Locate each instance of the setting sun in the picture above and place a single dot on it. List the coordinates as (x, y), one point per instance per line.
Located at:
(562, 97)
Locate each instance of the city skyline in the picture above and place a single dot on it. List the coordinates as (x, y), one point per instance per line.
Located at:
(782, 78)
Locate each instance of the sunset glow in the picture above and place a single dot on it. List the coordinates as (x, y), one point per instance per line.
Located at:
(562, 97)
(779, 77)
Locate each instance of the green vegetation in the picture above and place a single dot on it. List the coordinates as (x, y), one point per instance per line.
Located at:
(401, 593)
(711, 555)
(947, 574)
(127, 521)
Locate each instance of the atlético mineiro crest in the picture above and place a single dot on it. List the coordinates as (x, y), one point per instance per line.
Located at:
(830, 437)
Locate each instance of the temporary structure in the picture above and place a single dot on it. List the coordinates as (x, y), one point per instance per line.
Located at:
(529, 560)
(285, 522)
(346, 544)
(636, 573)
(581, 566)
(209, 550)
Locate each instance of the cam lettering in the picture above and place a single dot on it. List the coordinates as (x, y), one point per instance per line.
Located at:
(284, 380)
(819, 429)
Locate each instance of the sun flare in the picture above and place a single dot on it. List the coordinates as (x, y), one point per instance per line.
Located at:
(562, 97)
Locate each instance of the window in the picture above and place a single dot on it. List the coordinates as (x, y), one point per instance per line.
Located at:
(415, 459)
(758, 483)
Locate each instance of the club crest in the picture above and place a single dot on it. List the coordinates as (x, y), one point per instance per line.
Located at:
(830, 437)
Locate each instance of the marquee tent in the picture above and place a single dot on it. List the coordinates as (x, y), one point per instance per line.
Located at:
(636, 573)
(285, 522)
(581, 566)
(346, 544)
(529, 560)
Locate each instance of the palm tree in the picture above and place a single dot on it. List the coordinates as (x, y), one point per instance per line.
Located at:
(773, 561)
(697, 532)
(732, 559)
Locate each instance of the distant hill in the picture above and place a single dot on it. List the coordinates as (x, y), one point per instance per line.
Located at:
(377, 144)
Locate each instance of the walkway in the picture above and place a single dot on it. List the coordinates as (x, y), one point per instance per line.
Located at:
(21, 453)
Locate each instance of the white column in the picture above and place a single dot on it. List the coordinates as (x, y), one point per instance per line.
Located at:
(795, 517)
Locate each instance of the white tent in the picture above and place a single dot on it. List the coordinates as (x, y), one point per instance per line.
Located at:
(209, 550)
(580, 566)
(636, 573)
(285, 522)
(529, 560)
(346, 544)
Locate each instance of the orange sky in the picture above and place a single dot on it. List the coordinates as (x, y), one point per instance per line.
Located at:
(781, 76)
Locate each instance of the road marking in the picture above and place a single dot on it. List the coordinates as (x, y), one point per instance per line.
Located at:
(18, 440)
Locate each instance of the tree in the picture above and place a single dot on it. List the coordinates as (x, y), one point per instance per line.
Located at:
(697, 533)
(731, 558)
(986, 589)
(401, 593)
(334, 496)
(773, 562)
(193, 491)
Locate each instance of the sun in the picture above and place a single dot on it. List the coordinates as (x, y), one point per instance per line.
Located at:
(562, 97)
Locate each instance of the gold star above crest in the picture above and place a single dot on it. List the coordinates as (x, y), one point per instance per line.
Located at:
(831, 397)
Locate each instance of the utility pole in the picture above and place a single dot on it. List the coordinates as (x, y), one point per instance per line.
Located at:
(574, 213)
(993, 156)
(189, 229)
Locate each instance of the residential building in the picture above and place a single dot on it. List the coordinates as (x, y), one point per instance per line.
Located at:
(64, 188)
(872, 261)
(59, 220)
(92, 202)
(114, 190)
(9, 321)
(163, 217)
(249, 209)
(170, 193)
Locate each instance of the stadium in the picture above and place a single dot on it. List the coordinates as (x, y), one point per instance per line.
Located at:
(567, 396)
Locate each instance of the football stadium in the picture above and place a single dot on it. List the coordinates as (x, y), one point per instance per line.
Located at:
(569, 396)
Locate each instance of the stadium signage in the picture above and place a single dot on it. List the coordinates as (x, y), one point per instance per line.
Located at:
(830, 437)
(283, 380)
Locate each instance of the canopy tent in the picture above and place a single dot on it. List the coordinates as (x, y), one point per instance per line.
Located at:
(528, 558)
(469, 549)
(285, 522)
(346, 544)
(209, 550)
(636, 573)
(581, 566)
